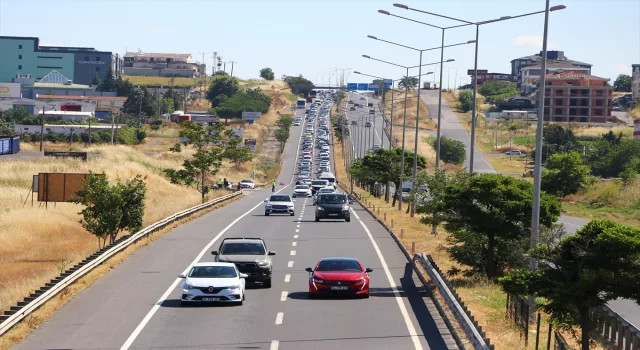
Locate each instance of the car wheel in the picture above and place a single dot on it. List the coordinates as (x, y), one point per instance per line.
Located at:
(292, 214)
(365, 296)
(317, 219)
(266, 214)
(347, 220)
(267, 283)
(312, 296)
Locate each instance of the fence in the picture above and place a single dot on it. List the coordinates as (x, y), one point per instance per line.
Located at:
(38, 298)
(518, 312)
(613, 329)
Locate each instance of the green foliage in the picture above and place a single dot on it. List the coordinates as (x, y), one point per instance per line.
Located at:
(610, 160)
(176, 97)
(451, 151)
(597, 264)
(565, 174)
(408, 82)
(221, 88)
(630, 172)
(497, 91)
(108, 83)
(6, 128)
(558, 135)
(284, 130)
(430, 201)
(238, 155)
(123, 87)
(622, 83)
(267, 74)
(20, 115)
(211, 144)
(111, 209)
(382, 89)
(139, 101)
(612, 138)
(490, 213)
(299, 85)
(251, 100)
(166, 105)
(126, 136)
(465, 100)
(95, 80)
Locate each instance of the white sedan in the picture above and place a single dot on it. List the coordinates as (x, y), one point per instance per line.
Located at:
(213, 282)
(302, 191)
(247, 184)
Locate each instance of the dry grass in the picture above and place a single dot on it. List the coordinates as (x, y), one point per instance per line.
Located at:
(599, 130)
(635, 112)
(486, 301)
(139, 80)
(22, 329)
(514, 165)
(451, 97)
(412, 104)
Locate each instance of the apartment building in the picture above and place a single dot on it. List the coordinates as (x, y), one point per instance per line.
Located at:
(635, 82)
(161, 65)
(553, 57)
(529, 76)
(573, 96)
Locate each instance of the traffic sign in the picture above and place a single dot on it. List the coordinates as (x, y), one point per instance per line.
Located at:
(374, 86)
(352, 86)
(387, 82)
(251, 115)
(363, 86)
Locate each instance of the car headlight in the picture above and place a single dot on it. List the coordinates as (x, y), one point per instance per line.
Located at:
(233, 289)
(187, 286)
(320, 208)
(315, 280)
(290, 205)
(263, 263)
(345, 207)
(362, 280)
(268, 205)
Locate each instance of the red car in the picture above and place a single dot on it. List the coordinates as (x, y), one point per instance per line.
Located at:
(338, 276)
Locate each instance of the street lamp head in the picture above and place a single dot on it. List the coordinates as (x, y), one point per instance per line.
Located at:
(557, 8)
(429, 73)
(384, 12)
(401, 6)
(471, 41)
(450, 60)
(372, 37)
(505, 17)
(366, 56)
(356, 72)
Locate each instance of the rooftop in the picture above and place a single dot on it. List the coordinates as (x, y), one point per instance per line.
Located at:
(184, 56)
(82, 98)
(572, 74)
(557, 64)
(59, 86)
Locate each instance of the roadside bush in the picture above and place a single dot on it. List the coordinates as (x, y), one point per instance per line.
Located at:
(126, 136)
(465, 100)
(451, 151)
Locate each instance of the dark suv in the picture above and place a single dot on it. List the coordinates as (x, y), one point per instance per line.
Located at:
(251, 257)
(333, 206)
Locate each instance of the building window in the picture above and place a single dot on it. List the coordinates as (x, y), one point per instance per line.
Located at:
(598, 102)
(559, 92)
(558, 102)
(97, 69)
(597, 111)
(86, 58)
(20, 47)
(19, 57)
(97, 58)
(19, 67)
(558, 110)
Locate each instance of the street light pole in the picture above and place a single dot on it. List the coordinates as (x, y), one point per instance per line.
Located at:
(391, 118)
(474, 113)
(415, 151)
(439, 126)
(535, 215)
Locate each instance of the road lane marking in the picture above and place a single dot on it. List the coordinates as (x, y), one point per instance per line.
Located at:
(294, 244)
(297, 230)
(295, 236)
(298, 226)
(290, 264)
(403, 309)
(279, 317)
(287, 278)
(274, 345)
(293, 252)
(284, 295)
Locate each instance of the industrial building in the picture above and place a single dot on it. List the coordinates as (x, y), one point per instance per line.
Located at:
(572, 96)
(25, 58)
(161, 65)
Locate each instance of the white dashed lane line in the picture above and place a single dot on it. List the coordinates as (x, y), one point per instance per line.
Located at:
(297, 230)
(295, 236)
(284, 295)
(274, 345)
(290, 264)
(294, 244)
(293, 252)
(287, 278)
(279, 317)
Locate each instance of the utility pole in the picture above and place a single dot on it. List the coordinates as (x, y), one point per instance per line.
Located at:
(232, 62)
(203, 71)
(213, 65)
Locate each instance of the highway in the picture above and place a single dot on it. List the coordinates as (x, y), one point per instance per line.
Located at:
(136, 305)
(370, 135)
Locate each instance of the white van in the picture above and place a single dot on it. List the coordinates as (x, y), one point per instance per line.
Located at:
(329, 177)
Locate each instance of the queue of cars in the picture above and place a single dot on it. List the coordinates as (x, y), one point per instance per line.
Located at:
(241, 260)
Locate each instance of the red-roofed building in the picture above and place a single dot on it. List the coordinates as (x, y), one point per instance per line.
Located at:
(572, 96)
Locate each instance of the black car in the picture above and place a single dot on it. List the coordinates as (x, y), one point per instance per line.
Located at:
(333, 206)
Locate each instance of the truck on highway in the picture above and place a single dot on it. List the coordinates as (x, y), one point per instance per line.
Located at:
(313, 93)
(430, 86)
(302, 103)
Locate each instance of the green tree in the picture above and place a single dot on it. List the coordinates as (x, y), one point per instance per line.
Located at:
(612, 138)
(408, 82)
(609, 160)
(109, 82)
(427, 194)
(124, 88)
(210, 144)
(299, 85)
(622, 83)
(176, 97)
(498, 91)
(465, 100)
(95, 80)
(221, 88)
(20, 115)
(251, 100)
(565, 174)
(6, 128)
(267, 73)
(558, 135)
(586, 270)
(140, 101)
(284, 130)
(239, 155)
(487, 216)
(451, 151)
(111, 209)
(382, 89)
(166, 105)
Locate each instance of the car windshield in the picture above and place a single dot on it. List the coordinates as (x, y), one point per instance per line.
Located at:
(212, 272)
(327, 190)
(243, 249)
(279, 198)
(302, 187)
(319, 182)
(246, 181)
(339, 265)
(332, 199)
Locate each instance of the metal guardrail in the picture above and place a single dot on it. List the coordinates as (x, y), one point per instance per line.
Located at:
(614, 329)
(469, 327)
(52, 289)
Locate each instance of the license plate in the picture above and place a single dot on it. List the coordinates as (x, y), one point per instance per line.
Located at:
(339, 287)
(333, 214)
(210, 299)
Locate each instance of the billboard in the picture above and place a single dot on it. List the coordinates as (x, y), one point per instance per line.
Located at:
(387, 82)
(363, 86)
(59, 187)
(251, 115)
(12, 90)
(480, 71)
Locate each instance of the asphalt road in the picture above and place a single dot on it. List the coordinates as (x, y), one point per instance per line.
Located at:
(135, 306)
(365, 137)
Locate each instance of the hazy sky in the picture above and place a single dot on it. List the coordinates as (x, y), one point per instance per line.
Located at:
(314, 38)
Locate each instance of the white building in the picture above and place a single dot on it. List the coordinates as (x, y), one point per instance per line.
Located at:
(161, 65)
(96, 101)
(635, 82)
(33, 106)
(62, 129)
(70, 116)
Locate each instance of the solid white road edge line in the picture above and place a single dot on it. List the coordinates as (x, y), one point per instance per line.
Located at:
(279, 317)
(154, 309)
(274, 345)
(394, 288)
